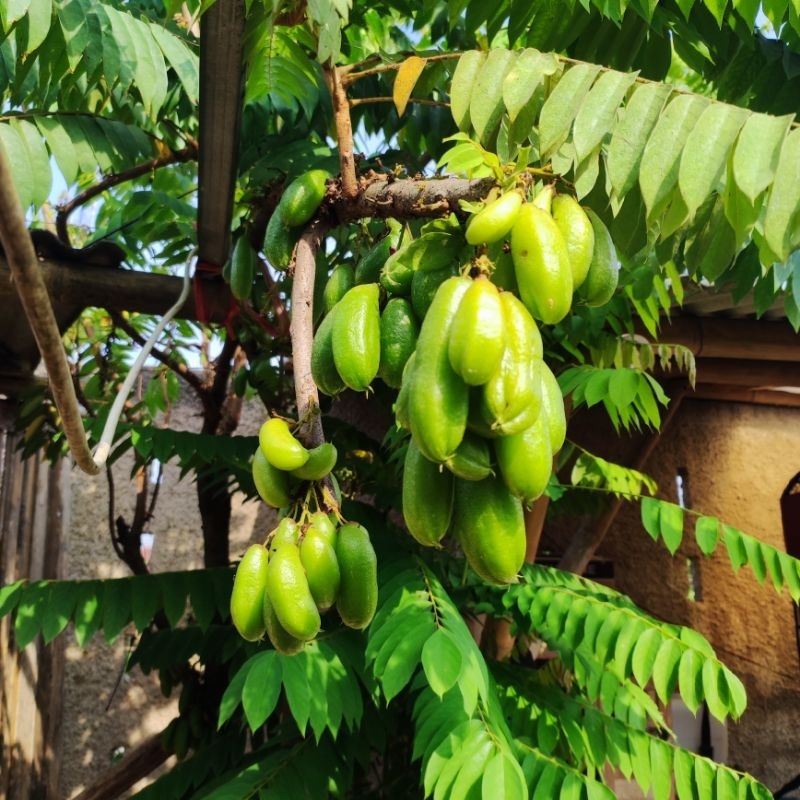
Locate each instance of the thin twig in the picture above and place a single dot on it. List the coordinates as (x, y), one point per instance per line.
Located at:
(361, 101)
(352, 77)
(344, 132)
(188, 153)
(165, 358)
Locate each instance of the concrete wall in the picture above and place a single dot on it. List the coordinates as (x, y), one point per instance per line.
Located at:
(738, 460)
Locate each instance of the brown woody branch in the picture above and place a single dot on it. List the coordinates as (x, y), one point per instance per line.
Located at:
(302, 333)
(344, 132)
(30, 286)
(384, 196)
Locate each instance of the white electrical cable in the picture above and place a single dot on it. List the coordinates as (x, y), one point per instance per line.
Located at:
(103, 449)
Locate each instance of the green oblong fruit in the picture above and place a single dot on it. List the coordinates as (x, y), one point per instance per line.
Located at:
(358, 564)
(427, 497)
(476, 340)
(525, 460)
(488, 522)
(318, 557)
(438, 399)
(321, 460)
(510, 399)
(400, 406)
(282, 449)
(541, 265)
(243, 268)
(279, 637)
(323, 366)
(290, 595)
(301, 198)
(286, 531)
(341, 280)
(272, 484)
(603, 275)
(578, 233)
(399, 332)
(322, 524)
(424, 285)
(495, 220)
(356, 336)
(472, 460)
(368, 268)
(553, 408)
(397, 274)
(247, 595)
(279, 240)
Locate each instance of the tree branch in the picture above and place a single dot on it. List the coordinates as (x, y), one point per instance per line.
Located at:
(383, 196)
(35, 301)
(302, 333)
(172, 157)
(344, 132)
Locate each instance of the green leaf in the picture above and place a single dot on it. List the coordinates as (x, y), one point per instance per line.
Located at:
(705, 156)
(17, 158)
(525, 76)
(10, 596)
(658, 173)
(684, 775)
(503, 777)
(736, 693)
(690, 673)
(735, 546)
(645, 653)
(145, 600)
(116, 607)
(486, 100)
(561, 107)
(232, 696)
(780, 220)
(464, 77)
(442, 661)
(261, 688)
(671, 520)
(598, 111)
(665, 669)
(661, 769)
(58, 610)
(757, 152)
(651, 516)
(28, 617)
(298, 690)
(631, 134)
(88, 615)
(173, 589)
(706, 531)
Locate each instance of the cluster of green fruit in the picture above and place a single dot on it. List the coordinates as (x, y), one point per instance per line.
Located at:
(462, 345)
(312, 560)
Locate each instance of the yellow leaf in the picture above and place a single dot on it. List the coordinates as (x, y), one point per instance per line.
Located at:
(406, 80)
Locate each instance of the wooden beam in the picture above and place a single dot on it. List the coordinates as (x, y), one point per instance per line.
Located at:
(221, 81)
(748, 373)
(739, 394)
(709, 337)
(73, 286)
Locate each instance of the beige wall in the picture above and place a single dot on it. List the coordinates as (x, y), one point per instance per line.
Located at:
(739, 458)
